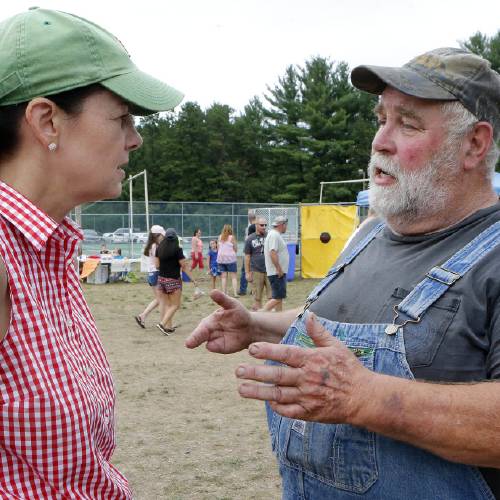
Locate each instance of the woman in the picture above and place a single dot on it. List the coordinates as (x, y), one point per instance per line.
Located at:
(226, 258)
(170, 261)
(66, 132)
(155, 237)
(196, 250)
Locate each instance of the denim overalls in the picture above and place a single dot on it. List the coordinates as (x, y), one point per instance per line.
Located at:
(327, 461)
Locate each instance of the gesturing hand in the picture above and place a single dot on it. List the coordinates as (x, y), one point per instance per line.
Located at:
(228, 329)
(326, 384)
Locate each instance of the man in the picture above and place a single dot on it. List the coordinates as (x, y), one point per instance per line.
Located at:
(255, 263)
(416, 299)
(276, 259)
(250, 229)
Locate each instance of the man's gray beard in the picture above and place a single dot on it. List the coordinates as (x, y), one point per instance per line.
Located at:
(417, 194)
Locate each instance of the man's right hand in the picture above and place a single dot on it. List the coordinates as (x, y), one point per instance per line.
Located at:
(249, 276)
(229, 329)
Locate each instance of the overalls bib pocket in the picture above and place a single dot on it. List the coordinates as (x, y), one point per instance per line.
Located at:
(422, 340)
(339, 455)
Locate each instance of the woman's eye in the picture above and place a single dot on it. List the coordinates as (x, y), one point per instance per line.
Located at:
(127, 119)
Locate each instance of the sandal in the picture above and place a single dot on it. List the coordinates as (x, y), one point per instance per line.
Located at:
(165, 331)
(139, 321)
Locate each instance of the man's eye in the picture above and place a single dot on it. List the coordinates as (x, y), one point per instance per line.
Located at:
(409, 126)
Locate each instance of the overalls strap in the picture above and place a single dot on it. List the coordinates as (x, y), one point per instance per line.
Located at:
(440, 278)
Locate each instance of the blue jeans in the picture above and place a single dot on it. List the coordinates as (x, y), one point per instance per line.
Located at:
(243, 281)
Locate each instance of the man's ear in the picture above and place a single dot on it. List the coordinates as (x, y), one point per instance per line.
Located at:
(477, 144)
(42, 117)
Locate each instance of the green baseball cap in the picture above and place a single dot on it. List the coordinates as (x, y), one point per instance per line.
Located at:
(44, 52)
(447, 74)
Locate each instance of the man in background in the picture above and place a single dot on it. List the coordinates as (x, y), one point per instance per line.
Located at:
(276, 258)
(255, 264)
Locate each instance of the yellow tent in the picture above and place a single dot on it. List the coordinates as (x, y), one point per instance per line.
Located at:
(338, 221)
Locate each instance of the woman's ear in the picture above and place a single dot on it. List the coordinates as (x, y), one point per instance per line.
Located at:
(477, 144)
(42, 117)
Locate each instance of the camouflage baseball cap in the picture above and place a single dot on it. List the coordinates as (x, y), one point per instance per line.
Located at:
(446, 74)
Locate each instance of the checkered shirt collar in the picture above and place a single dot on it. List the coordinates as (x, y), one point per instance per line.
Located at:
(31, 221)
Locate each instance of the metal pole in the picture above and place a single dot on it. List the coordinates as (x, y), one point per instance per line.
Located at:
(182, 219)
(146, 198)
(321, 192)
(130, 218)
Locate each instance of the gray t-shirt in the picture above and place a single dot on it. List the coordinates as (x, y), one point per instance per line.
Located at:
(254, 246)
(465, 343)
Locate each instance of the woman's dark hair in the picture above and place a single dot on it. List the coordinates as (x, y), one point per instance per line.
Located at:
(10, 116)
(152, 238)
(196, 230)
(168, 248)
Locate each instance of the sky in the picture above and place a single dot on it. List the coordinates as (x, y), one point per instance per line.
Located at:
(228, 51)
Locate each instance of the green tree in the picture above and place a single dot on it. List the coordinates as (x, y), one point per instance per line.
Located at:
(485, 46)
(320, 129)
(250, 151)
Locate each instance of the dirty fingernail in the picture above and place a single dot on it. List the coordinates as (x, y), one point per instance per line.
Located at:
(253, 349)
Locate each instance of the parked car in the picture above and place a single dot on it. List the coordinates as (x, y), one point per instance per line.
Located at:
(91, 236)
(121, 235)
(142, 237)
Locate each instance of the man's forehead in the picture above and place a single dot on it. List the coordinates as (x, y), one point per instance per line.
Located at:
(403, 103)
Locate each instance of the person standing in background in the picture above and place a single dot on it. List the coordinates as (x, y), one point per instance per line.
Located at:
(276, 257)
(226, 258)
(213, 267)
(250, 229)
(156, 234)
(170, 261)
(196, 250)
(255, 264)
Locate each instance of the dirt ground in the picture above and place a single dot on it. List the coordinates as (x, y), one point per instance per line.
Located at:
(182, 430)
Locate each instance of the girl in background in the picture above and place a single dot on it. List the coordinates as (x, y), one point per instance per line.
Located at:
(196, 250)
(155, 236)
(169, 261)
(212, 262)
(226, 258)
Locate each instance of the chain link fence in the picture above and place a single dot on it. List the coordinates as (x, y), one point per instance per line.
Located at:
(184, 217)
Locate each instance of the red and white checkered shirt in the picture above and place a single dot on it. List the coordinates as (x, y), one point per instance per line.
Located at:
(56, 390)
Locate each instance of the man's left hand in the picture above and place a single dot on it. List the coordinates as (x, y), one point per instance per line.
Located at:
(325, 384)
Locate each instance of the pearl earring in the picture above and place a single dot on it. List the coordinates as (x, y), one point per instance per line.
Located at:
(52, 146)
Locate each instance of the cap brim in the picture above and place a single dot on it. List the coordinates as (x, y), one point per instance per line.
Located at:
(146, 94)
(374, 79)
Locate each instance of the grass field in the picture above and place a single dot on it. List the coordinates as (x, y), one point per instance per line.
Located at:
(182, 430)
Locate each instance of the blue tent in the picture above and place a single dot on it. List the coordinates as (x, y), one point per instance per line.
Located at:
(496, 183)
(362, 199)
